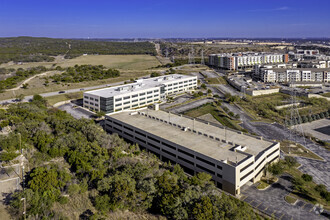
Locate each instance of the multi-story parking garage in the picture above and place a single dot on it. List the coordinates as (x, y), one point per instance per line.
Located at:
(231, 157)
(135, 95)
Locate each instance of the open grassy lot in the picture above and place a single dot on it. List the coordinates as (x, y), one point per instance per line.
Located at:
(263, 107)
(123, 62)
(36, 86)
(217, 112)
(326, 94)
(297, 150)
(219, 80)
(63, 97)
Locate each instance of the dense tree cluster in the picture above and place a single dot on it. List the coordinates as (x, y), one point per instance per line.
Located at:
(30, 49)
(115, 174)
(85, 73)
(19, 76)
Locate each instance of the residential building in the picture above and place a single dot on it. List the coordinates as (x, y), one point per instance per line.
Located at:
(140, 93)
(284, 75)
(237, 61)
(231, 157)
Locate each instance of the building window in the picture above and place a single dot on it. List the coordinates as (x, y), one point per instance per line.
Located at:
(126, 97)
(141, 94)
(118, 99)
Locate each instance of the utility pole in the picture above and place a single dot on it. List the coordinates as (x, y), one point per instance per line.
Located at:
(202, 57)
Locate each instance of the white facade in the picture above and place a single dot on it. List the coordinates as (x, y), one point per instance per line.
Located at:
(136, 95)
(294, 75)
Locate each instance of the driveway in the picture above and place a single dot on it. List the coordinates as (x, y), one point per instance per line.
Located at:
(271, 201)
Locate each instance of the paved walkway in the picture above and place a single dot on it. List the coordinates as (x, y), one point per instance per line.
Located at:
(271, 202)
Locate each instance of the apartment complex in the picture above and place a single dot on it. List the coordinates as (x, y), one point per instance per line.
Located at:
(245, 60)
(283, 75)
(138, 94)
(231, 157)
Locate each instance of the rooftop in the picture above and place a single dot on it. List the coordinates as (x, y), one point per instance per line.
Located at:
(138, 85)
(181, 132)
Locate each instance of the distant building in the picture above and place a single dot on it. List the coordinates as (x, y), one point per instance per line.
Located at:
(231, 157)
(293, 74)
(236, 61)
(138, 94)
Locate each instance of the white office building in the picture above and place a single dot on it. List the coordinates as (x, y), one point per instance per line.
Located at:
(138, 94)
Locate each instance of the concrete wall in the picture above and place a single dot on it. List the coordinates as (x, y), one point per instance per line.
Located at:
(262, 92)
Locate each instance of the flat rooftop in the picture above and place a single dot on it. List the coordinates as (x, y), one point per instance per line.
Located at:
(211, 147)
(138, 85)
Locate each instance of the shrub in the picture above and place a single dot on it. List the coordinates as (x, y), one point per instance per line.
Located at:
(63, 200)
(320, 188)
(307, 177)
(290, 161)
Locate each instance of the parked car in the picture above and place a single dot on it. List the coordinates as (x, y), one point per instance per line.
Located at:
(61, 92)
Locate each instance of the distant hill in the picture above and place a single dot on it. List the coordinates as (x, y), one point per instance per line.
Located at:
(37, 49)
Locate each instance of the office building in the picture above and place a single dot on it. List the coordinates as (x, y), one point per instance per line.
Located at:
(138, 94)
(231, 157)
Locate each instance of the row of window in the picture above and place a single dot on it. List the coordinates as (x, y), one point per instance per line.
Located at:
(90, 98)
(136, 100)
(91, 103)
(135, 105)
(136, 95)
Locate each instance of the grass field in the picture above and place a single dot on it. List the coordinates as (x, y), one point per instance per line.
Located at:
(264, 107)
(63, 97)
(326, 94)
(36, 86)
(122, 62)
(219, 80)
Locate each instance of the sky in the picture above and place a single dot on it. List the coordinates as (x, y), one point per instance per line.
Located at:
(165, 19)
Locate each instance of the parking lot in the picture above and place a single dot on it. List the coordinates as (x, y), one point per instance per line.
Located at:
(319, 129)
(271, 201)
(75, 110)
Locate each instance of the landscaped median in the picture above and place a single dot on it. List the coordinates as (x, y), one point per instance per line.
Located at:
(264, 183)
(290, 199)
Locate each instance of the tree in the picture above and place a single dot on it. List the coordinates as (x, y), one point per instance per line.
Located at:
(203, 209)
(209, 91)
(203, 86)
(154, 74)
